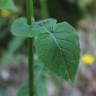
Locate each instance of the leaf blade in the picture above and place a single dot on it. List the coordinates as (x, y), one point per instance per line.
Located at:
(22, 29)
(61, 45)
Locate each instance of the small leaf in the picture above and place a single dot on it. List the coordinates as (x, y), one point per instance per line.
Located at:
(15, 44)
(40, 86)
(23, 89)
(8, 5)
(21, 28)
(59, 50)
(41, 89)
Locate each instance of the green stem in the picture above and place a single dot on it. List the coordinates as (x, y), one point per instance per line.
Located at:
(30, 11)
(30, 14)
(30, 67)
(44, 8)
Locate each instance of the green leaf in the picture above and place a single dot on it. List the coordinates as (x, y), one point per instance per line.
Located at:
(14, 44)
(48, 23)
(41, 89)
(40, 86)
(23, 89)
(59, 50)
(8, 5)
(38, 72)
(21, 28)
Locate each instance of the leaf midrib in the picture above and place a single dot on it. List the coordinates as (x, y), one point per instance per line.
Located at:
(58, 46)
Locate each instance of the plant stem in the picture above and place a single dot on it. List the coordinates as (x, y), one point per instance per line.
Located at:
(30, 14)
(44, 8)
